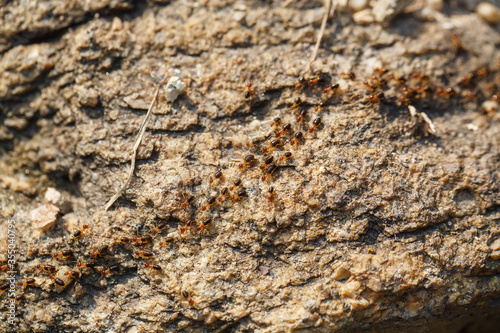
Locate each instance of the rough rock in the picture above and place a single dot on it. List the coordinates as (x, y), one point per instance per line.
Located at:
(374, 221)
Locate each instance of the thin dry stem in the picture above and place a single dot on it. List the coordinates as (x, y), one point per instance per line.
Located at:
(134, 156)
(329, 6)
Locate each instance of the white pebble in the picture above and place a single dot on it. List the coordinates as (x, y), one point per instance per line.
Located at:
(363, 17)
(357, 5)
(175, 87)
(488, 12)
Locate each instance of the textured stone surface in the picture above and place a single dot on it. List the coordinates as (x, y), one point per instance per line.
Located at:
(374, 222)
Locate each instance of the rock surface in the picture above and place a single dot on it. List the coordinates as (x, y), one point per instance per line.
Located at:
(374, 222)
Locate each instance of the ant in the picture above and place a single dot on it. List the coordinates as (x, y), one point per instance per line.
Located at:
(286, 156)
(88, 264)
(218, 175)
(248, 93)
(267, 160)
(375, 97)
(159, 227)
(449, 92)
(247, 160)
(302, 81)
(64, 253)
(380, 71)
(144, 254)
(276, 121)
(297, 137)
(316, 80)
(4, 267)
(297, 101)
(154, 266)
(73, 274)
(47, 268)
(4, 286)
(143, 240)
(205, 224)
(167, 240)
(254, 142)
(333, 87)
(301, 116)
(121, 240)
(236, 183)
(269, 171)
(316, 124)
(239, 195)
(287, 127)
(274, 144)
(101, 250)
(348, 75)
(270, 190)
(319, 107)
(28, 282)
(114, 268)
(80, 232)
(187, 226)
(57, 280)
(223, 192)
(210, 202)
(188, 201)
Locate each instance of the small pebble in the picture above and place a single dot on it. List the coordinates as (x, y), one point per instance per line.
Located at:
(44, 217)
(175, 87)
(363, 17)
(488, 12)
(357, 5)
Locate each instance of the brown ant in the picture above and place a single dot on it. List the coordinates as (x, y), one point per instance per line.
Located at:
(28, 282)
(143, 239)
(301, 116)
(287, 156)
(267, 160)
(274, 144)
(270, 190)
(380, 71)
(316, 80)
(254, 142)
(160, 226)
(319, 107)
(88, 264)
(154, 266)
(210, 202)
(205, 224)
(223, 193)
(269, 171)
(4, 286)
(332, 87)
(297, 137)
(101, 250)
(287, 127)
(188, 201)
(167, 240)
(144, 254)
(187, 296)
(302, 81)
(276, 121)
(47, 268)
(218, 175)
(64, 253)
(73, 274)
(121, 240)
(348, 75)
(448, 92)
(316, 124)
(296, 102)
(376, 97)
(80, 232)
(114, 268)
(248, 93)
(241, 193)
(57, 280)
(236, 183)
(247, 160)
(187, 226)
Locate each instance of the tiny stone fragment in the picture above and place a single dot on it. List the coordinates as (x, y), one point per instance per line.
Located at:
(488, 12)
(341, 274)
(44, 217)
(386, 10)
(363, 17)
(175, 87)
